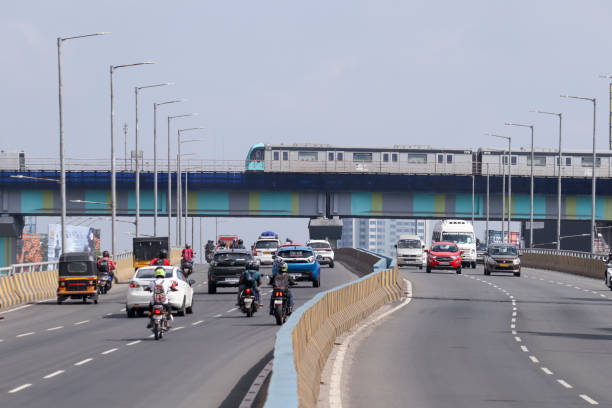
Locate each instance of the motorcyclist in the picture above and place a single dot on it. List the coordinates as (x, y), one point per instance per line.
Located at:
(210, 248)
(187, 253)
(240, 244)
(250, 278)
(281, 281)
(162, 259)
(160, 287)
(106, 264)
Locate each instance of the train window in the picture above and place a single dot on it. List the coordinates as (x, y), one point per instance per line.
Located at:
(330, 156)
(362, 157)
(385, 157)
(537, 160)
(394, 157)
(513, 160)
(568, 161)
(417, 157)
(308, 156)
(449, 158)
(587, 161)
(440, 158)
(257, 154)
(339, 156)
(276, 156)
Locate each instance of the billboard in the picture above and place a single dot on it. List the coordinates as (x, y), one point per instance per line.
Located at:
(33, 248)
(78, 239)
(495, 237)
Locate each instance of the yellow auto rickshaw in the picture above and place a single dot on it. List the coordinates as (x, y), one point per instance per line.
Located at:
(78, 277)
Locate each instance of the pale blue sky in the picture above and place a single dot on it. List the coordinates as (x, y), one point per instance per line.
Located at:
(345, 72)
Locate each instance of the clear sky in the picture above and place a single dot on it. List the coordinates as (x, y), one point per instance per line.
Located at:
(353, 72)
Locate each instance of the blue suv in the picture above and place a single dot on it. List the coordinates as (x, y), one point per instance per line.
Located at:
(302, 263)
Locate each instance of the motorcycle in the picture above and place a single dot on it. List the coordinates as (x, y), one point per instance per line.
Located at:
(248, 304)
(159, 318)
(105, 282)
(186, 267)
(280, 302)
(209, 256)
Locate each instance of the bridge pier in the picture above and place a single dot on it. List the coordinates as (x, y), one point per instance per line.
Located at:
(11, 227)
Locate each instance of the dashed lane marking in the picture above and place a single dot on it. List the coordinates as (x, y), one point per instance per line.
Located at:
(534, 359)
(81, 322)
(58, 372)
(21, 387)
(25, 334)
(178, 328)
(231, 310)
(133, 342)
(55, 328)
(196, 323)
(564, 383)
(525, 349)
(87, 360)
(546, 370)
(218, 315)
(109, 351)
(518, 339)
(588, 399)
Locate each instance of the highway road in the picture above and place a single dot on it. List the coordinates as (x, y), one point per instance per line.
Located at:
(93, 355)
(541, 340)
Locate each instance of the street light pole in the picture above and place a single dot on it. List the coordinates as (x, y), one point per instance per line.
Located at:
(558, 176)
(155, 193)
(113, 170)
(509, 139)
(179, 192)
(593, 176)
(487, 223)
(531, 187)
(137, 173)
(62, 181)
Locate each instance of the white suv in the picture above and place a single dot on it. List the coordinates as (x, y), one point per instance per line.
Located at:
(323, 251)
(264, 249)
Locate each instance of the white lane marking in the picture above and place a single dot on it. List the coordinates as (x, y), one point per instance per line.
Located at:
(15, 309)
(577, 287)
(586, 290)
(514, 308)
(541, 279)
(133, 342)
(108, 314)
(58, 372)
(152, 335)
(21, 387)
(525, 349)
(593, 292)
(335, 393)
(55, 328)
(513, 326)
(178, 328)
(546, 370)
(564, 383)
(205, 283)
(196, 323)
(109, 351)
(518, 339)
(122, 310)
(513, 313)
(588, 399)
(602, 295)
(219, 315)
(511, 297)
(25, 334)
(534, 359)
(514, 332)
(513, 320)
(81, 322)
(231, 310)
(87, 360)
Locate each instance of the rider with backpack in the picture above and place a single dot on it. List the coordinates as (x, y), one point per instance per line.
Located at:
(160, 287)
(251, 278)
(162, 259)
(106, 265)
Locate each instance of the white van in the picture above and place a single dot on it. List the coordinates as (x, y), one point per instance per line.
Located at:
(265, 248)
(460, 232)
(409, 251)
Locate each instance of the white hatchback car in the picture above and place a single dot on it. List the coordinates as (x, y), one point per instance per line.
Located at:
(138, 298)
(323, 251)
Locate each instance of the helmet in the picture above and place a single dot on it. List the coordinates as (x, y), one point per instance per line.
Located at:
(283, 267)
(160, 273)
(252, 265)
(105, 254)
(163, 253)
(187, 246)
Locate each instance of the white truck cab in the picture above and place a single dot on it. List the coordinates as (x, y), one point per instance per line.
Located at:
(460, 232)
(410, 251)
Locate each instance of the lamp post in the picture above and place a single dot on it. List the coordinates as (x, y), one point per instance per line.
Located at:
(113, 171)
(593, 176)
(169, 197)
(560, 115)
(180, 196)
(137, 173)
(155, 105)
(179, 192)
(509, 139)
(531, 184)
(62, 180)
(487, 223)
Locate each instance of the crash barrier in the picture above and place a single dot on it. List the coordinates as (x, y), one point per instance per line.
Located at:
(303, 344)
(27, 287)
(574, 262)
(361, 262)
(125, 264)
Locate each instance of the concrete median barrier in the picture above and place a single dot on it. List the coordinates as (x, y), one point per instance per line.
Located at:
(578, 265)
(303, 344)
(27, 287)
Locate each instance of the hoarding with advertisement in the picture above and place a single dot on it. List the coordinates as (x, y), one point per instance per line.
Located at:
(495, 237)
(33, 248)
(77, 239)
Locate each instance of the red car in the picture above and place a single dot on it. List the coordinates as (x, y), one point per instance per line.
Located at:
(444, 255)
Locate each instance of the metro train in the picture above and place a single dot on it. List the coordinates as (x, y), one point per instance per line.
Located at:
(399, 159)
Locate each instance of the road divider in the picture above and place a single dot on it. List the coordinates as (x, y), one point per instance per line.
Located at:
(577, 263)
(27, 287)
(303, 344)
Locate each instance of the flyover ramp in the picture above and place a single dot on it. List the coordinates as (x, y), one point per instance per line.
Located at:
(206, 360)
(453, 345)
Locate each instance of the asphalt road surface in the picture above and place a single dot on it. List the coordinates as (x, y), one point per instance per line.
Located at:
(541, 340)
(90, 355)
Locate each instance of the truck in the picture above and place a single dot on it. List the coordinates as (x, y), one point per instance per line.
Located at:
(145, 249)
(460, 232)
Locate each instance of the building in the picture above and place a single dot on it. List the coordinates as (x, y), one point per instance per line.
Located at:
(379, 234)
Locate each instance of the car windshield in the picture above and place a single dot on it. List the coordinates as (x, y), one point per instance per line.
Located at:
(231, 256)
(149, 273)
(481, 247)
(459, 238)
(266, 244)
(295, 253)
(503, 250)
(444, 248)
(409, 243)
(319, 245)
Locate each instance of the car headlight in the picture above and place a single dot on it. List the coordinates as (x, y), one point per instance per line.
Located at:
(310, 259)
(492, 261)
(516, 261)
